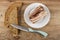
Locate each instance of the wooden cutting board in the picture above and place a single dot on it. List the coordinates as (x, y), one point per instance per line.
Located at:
(52, 28)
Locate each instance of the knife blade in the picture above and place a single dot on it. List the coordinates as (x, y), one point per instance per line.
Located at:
(20, 27)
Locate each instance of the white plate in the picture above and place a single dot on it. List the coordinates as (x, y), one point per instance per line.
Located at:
(40, 23)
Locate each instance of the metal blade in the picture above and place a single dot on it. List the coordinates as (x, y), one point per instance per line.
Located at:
(20, 27)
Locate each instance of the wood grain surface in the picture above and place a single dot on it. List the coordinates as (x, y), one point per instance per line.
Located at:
(3, 7)
(52, 28)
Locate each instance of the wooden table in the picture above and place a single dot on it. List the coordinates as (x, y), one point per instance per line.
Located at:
(52, 28)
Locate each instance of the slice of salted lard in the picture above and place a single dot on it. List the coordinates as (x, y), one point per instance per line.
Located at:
(37, 14)
(40, 16)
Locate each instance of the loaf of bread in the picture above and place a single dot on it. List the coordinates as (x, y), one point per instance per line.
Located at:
(11, 16)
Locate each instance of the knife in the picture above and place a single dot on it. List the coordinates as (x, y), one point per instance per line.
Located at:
(29, 30)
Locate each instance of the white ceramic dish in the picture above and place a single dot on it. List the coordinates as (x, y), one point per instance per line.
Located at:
(40, 23)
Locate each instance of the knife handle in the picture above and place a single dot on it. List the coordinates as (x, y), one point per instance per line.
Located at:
(39, 32)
